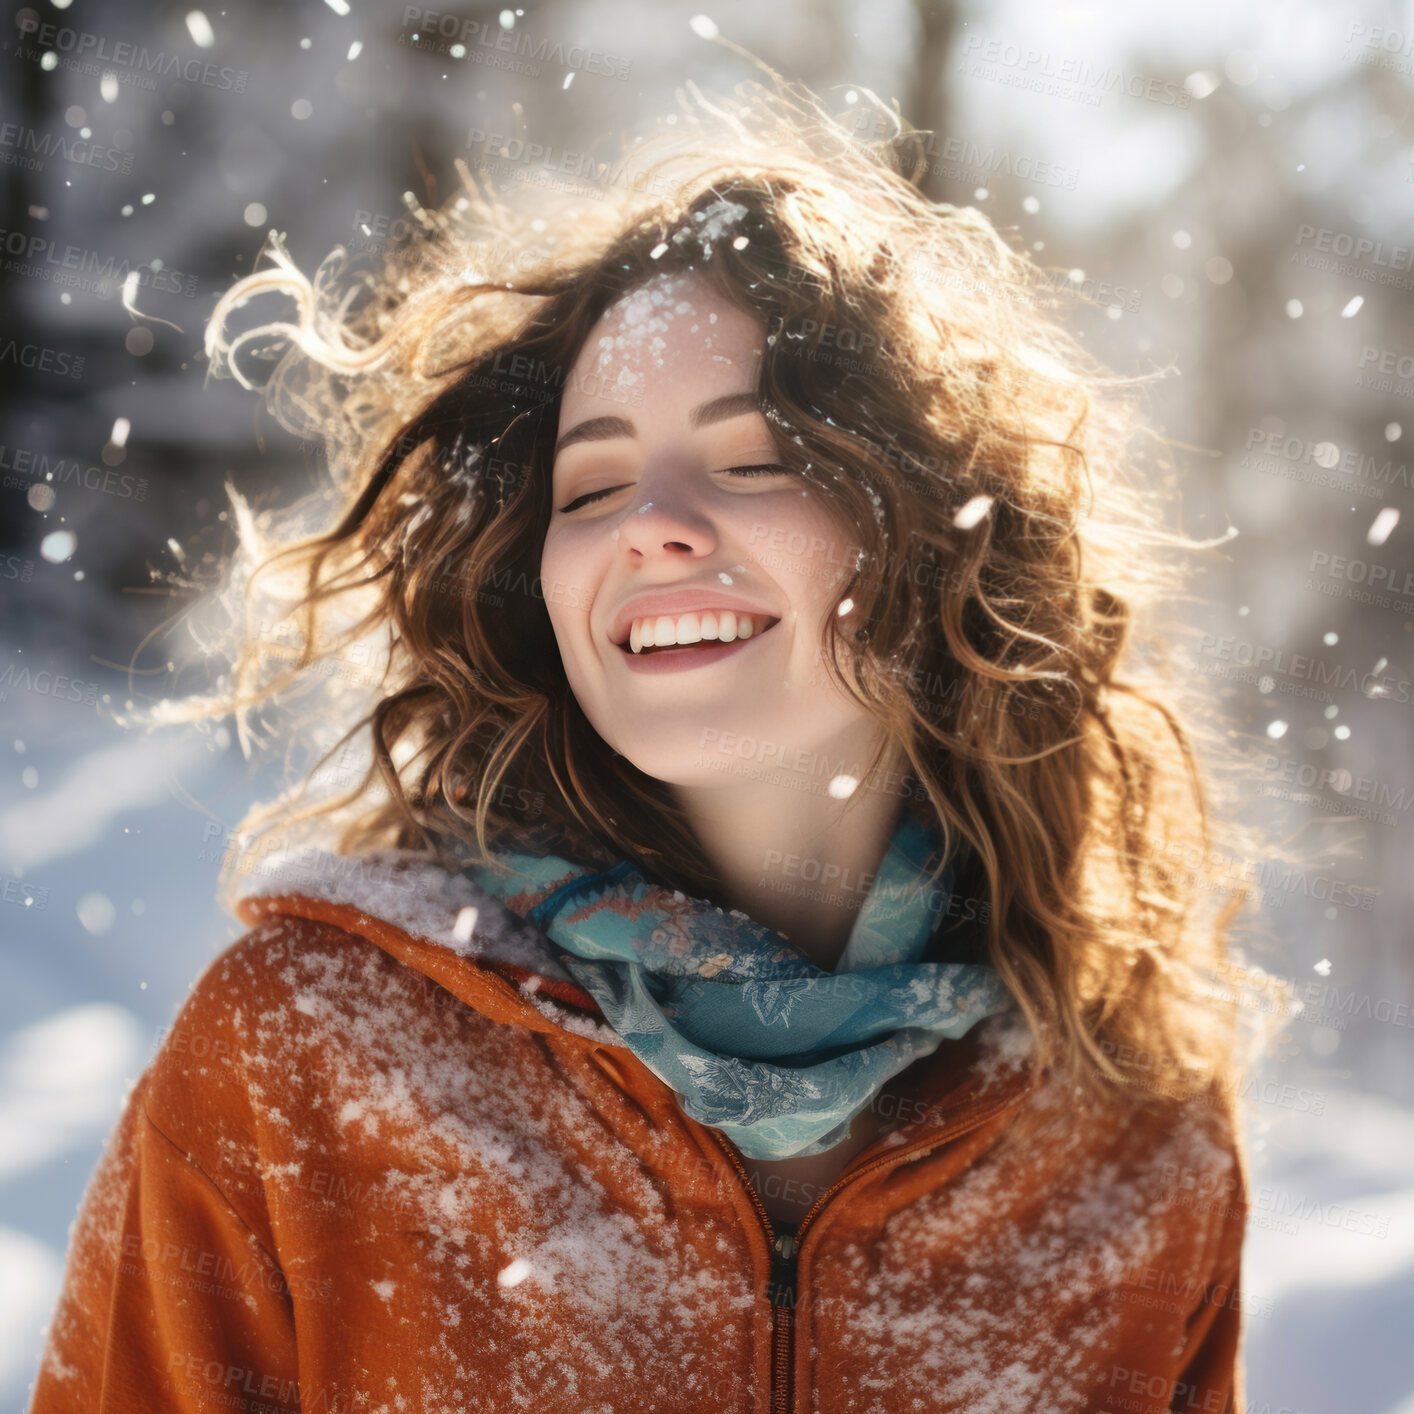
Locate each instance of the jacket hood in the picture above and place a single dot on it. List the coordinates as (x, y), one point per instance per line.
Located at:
(439, 923)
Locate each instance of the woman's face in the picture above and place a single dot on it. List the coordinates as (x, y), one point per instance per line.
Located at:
(671, 511)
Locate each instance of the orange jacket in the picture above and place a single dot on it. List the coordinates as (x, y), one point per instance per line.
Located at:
(383, 1163)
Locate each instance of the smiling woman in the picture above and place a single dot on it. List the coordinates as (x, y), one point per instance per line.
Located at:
(759, 912)
(656, 584)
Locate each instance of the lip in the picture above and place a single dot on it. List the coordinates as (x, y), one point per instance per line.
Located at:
(681, 660)
(684, 600)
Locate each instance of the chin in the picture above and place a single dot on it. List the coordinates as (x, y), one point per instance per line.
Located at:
(687, 748)
(683, 761)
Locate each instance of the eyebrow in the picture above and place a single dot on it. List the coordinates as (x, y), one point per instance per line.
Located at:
(596, 429)
(604, 429)
(720, 409)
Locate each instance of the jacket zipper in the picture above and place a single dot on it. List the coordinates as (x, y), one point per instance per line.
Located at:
(785, 1248)
(783, 1319)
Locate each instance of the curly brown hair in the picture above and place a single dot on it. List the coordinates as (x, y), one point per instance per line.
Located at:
(917, 374)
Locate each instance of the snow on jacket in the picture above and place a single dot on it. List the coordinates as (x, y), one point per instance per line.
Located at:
(390, 1157)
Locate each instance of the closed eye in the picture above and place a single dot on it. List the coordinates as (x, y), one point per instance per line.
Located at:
(588, 497)
(760, 469)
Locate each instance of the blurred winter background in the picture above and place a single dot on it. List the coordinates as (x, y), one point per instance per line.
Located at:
(1233, 185)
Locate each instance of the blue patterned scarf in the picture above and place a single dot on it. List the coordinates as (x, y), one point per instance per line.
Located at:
(755, 1038)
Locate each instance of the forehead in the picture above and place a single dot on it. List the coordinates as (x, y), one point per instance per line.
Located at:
(675, 337)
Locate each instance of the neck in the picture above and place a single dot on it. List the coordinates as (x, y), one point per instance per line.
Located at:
(792, 857)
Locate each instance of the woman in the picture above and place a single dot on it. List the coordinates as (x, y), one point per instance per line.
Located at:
(752, 974)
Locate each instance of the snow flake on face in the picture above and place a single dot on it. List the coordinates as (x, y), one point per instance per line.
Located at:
(646, 327)
(643, 319)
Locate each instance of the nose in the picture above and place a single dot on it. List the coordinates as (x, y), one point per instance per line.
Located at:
(663, 522)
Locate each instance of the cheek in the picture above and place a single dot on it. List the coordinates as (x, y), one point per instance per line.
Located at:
(807, 549)
(566, 581)
(556, 580)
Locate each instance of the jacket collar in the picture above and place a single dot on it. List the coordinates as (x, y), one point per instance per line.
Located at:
(467, 942)
(436, 922)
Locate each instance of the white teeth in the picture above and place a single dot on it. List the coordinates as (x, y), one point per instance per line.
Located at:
(661, 630)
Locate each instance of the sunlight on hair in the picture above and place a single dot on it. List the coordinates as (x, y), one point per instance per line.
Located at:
(918, 378)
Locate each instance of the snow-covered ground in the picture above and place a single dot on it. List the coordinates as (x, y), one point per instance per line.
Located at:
(121, 872)
(1329, 1260)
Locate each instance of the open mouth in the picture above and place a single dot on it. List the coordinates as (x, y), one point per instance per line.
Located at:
(693, 632)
